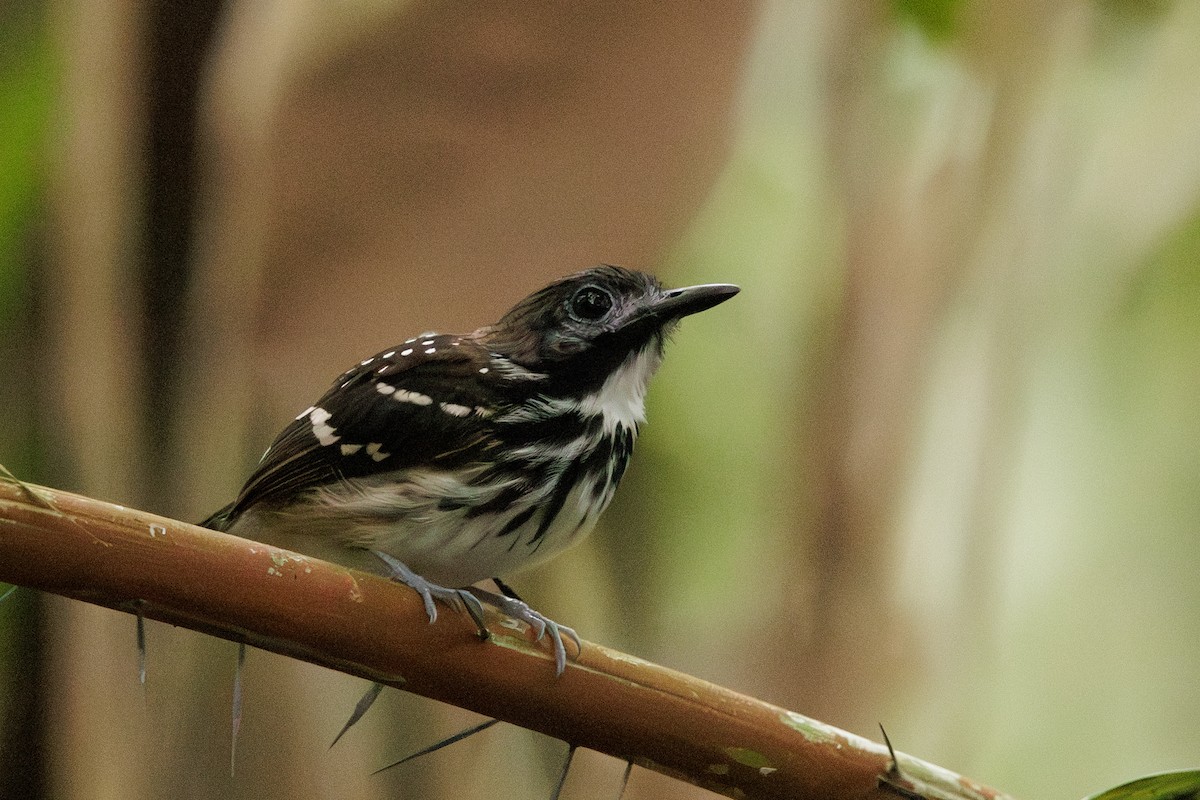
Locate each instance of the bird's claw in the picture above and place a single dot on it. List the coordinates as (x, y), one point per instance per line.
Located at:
(539, 623)
(429, 592)
(475, 610)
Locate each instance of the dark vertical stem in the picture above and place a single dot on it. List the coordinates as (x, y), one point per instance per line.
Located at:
(22, 727)
(179, 43)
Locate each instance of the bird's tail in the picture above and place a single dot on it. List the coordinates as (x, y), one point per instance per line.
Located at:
(221, 520)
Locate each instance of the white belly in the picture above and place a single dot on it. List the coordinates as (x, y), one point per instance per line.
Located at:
(449, 547)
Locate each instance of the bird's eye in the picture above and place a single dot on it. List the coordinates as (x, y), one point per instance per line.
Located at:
(590, 304)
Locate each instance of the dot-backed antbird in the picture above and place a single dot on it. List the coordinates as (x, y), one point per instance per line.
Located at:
(451, 459)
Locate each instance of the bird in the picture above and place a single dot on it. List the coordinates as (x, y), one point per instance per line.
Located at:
(454, 459)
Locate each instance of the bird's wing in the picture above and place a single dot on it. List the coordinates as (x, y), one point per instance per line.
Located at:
(425, 402)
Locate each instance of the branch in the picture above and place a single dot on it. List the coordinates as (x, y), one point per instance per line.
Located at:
(364, 625)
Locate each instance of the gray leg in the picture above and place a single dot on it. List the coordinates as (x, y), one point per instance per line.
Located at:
(431, 591)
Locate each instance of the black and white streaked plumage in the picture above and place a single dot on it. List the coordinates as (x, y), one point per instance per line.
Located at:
(451, 459)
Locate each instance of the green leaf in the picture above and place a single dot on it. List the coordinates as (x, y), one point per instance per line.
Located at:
(27, 82)
(1182, 785)
(937, 19)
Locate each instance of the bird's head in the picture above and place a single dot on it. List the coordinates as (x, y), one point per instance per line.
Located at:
(580, 329)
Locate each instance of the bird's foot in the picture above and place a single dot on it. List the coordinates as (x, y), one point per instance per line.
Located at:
(540, 624)
(455, 598)
(469, 599)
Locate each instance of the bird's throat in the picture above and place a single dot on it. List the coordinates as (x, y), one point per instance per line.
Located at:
(620, 400)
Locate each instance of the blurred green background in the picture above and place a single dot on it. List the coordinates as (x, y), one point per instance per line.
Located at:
(935, 467)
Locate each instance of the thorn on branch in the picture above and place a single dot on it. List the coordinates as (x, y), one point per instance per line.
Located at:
(891, 779)
(562, 778)
(360, 708)
(625, 778)
(449, 740)
(237, 706)
(34, 495)
(141, 640)
(43, 500)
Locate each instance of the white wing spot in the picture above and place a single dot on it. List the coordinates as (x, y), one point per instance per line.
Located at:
(427, 342)
(416, 398)
(389, 354)
(430, 351)
(350, 449)
(374, 451)
(384, 388)
(407, 352)
(454, 409)
(455, 343)
(409, 341)
(483, 412)
(483, 370)
(368, 361)
(324, 433)
(304, 413)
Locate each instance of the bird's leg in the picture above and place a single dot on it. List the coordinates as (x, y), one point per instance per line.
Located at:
(431, 591)
(507, 602)
(506, 590)
(515, 607)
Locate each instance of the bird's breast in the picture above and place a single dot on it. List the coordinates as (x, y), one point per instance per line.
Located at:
(458, 527)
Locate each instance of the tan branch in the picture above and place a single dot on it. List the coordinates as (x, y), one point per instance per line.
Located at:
(366, 626)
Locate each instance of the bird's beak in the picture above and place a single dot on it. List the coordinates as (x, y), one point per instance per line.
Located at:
(676, 303)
